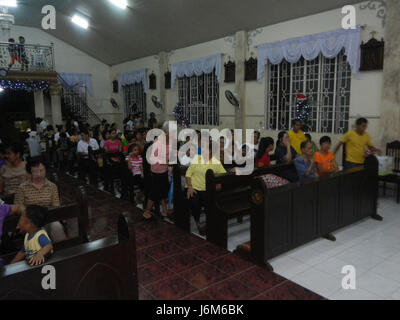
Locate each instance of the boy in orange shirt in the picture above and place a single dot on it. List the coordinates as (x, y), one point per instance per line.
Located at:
(324, 159)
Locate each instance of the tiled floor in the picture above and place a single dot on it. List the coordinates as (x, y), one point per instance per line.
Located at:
(371, 247)
(175, 265)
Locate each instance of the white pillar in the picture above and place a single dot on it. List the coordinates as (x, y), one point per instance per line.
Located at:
(163, 66)
(39, 104)
(240, 85)
(56, 114)
(390, 104)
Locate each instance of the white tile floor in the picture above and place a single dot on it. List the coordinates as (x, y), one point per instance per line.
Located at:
(372, 247)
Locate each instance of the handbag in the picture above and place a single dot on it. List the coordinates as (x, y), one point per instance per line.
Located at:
(272, 181)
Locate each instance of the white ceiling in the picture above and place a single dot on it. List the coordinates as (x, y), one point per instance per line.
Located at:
(148, 27)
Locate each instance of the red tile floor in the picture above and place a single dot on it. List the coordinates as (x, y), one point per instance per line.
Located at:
(174, 265)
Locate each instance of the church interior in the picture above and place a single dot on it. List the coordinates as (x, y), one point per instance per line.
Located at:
(199, 150)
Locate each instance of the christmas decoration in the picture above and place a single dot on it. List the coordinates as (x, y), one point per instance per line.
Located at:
(26, 85)
(303, 111)
(180, 118)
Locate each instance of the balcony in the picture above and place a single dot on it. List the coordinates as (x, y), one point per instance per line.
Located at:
(30, 62)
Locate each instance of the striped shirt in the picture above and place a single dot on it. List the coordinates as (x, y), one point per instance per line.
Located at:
(46, 196)
(136, 164)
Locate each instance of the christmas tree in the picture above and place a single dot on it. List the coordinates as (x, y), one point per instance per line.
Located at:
(303, 111)
(180, 117)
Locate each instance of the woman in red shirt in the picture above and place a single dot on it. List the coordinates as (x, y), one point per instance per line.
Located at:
(262, 157)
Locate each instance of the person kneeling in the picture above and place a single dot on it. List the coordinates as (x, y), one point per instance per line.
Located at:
(37, 244)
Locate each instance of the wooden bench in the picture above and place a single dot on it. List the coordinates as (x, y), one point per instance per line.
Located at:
(11, 242)
(393, 150)
(231, 202)
(285, 218)
(103, 269)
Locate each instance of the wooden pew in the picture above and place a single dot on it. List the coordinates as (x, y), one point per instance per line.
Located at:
(290, 216)
(232, 201)
(229, 203)
(103, 269)
(79, 210)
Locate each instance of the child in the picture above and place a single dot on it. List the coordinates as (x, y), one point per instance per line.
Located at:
(22, 54)
(324, 159)
(13, 50)
(37, 243)
(265, 147)
(296, 135)
(135, 165)
(314, 146)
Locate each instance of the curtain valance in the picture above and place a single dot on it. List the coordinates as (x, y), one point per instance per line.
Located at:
(328, 43)
(78, 79)
(138, 76)
(197, 67)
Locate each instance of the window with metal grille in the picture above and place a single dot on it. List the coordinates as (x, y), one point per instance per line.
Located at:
(135, 100)
(325, 82)
(199, 96)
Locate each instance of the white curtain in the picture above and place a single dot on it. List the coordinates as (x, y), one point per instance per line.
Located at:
(328, 43)
(138, 76)
(197, 67)
(77, 80)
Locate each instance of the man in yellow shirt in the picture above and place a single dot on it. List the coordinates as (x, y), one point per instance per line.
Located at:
(196, 183)
(357, 142)
(297, 136)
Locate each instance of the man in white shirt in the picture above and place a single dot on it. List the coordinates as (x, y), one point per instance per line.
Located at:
(83, 152)
(83, 145)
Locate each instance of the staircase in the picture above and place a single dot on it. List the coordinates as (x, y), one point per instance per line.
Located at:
(73, 104)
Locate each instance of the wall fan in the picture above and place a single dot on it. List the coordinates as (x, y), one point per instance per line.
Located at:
(232, 98)
(114, 103)
(156, 103)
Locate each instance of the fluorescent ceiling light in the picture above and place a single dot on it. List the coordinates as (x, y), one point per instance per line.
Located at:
(119, 3)
(82, 22)
(8, 3)
(1, 89)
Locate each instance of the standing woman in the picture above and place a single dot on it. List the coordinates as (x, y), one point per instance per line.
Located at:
(264, 148)
(159, 173)
(13, 174)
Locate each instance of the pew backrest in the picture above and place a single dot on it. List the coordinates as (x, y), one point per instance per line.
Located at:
(393, 150)
(103, 269)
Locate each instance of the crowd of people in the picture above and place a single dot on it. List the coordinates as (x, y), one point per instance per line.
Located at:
(23, 177)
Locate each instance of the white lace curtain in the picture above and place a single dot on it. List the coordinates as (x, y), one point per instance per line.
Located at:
(328, 43)
(197, 67)
(138, 76)
(78, 80)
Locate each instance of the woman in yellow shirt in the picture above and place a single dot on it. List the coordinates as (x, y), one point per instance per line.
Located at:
(196, 183)
(297, 136)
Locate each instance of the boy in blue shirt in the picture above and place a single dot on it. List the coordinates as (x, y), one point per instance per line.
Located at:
(37, 243)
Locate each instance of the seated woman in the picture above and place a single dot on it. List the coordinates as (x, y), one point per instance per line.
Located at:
(37, 190)
(304, 163)
(196, 183)
(324, 159)
(286, 154)
(262, 157)
(13, 173)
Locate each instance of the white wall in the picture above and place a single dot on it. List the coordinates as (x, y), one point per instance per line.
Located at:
(365, 92)
(70, 59)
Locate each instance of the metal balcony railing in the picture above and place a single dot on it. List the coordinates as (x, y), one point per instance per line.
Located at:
(26, 57)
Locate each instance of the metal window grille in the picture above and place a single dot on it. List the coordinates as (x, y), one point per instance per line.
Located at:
(135, 100)
(325, 82)
(199, 96)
